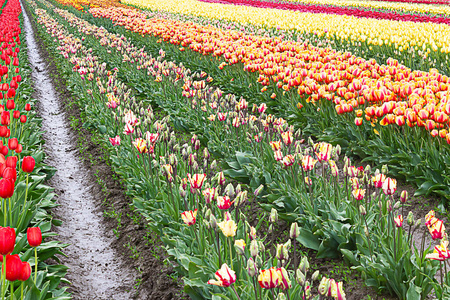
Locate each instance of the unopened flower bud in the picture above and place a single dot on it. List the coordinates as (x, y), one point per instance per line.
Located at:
(213, 221)
(258, 190)
(366, 231)
(315, 275)
(418, 222)
(238, 189)
(410, 218)
(229, 190)
(270, 229)
(304, 264)
(384, 170)
(300, 276)
(206, 154)
(258, 261)
(397, 205)
(254, 249)
(251, 267)
(362, 210)
(281, 296)
(208, 213)
(404, 196)
(214, 165)
(273, 216)
(295, 231)
(239, 245)
(261, 246)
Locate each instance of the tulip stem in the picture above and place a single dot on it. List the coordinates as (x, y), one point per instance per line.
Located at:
(35, 264)
(10, 212)
(3, 276)
(232, 286)
(12, 289)
(231, 254)
(21, 291)
(26, 195)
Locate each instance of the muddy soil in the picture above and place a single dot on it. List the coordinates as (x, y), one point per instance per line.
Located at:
(109, 258)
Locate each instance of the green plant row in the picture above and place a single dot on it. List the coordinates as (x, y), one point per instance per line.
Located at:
(341, 220)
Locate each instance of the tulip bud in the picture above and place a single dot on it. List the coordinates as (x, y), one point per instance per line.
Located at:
(418, 222)
(310, 142)
(338, 149)
(254, 248)
(304, 265)
(384, 170)
(238, 189)
(300, 277)
(229, 190)
(295, 231)
(397, 205)
(410, 218)
(262, 247)
(258, 261)
(389, 205)
(214, 165)
(239, 245)
(404, 196)
(270, 229)
(252, 233)
(208, 214)
(282, 253)
(281, 296)
(251, 267)
(362, 210)
(273, 216)
(366, 231)
(259, 190)
(315, 275)
(213, 221)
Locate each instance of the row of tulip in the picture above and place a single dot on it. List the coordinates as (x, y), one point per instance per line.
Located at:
(109, 87)
(368, 100)
(368, 32)
(25, 201)
(338, 10)
(136, 61)
(419, 6)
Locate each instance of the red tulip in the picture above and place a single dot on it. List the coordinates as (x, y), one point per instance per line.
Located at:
(16, 114)
(19, 148)
(4, 150)
(2, 168)
(10, 173)
(13, 143)
(11, 161)
(16, 61)
(23, 119)
(28, 164)
(13, 83)
(11, 94)
(6, 188)
(28, 107)
(7, 240)
(26, 271)
(13, 267)
(3, 130)
(34, 236)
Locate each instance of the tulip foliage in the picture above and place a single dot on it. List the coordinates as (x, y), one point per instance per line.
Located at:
(180, 184)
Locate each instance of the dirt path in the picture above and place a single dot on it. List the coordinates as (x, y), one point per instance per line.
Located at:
(96, 271)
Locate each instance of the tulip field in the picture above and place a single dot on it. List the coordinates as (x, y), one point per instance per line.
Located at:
(253, 138)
